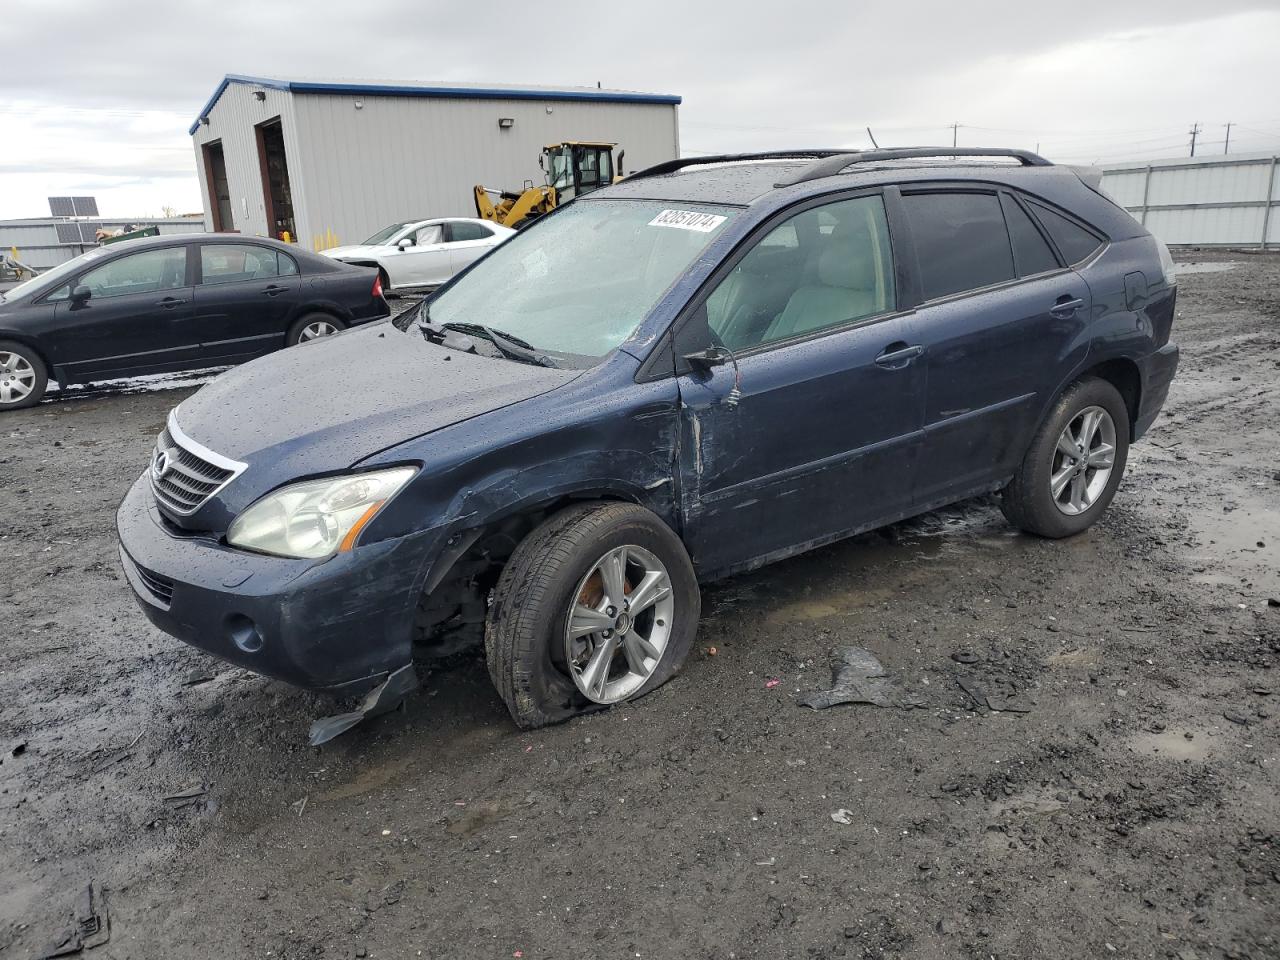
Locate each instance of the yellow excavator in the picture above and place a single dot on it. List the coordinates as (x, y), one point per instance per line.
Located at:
(571, 168)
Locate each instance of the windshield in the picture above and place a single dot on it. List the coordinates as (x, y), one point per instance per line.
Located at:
(51, 278)
(385, 234)
(578, 283)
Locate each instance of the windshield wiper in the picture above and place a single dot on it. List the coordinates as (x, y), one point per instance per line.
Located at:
(510, 346)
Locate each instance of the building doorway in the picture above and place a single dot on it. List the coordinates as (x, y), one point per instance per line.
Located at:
(215, 172)
(276, 193)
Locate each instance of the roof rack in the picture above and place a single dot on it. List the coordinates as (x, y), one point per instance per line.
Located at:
(829, 166)
(670, 166)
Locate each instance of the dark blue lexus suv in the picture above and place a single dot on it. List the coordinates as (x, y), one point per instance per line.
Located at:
(711, 365)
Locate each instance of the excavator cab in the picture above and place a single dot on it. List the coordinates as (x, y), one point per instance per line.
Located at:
(571, 168)
(576, 168)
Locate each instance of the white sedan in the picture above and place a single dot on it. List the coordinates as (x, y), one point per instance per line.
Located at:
(423, 253)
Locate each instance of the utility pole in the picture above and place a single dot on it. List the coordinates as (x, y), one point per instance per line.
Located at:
(955, 127)
(1195, 131)
(1226, 146)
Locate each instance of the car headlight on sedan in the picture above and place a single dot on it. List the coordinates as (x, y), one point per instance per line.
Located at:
(316, 518)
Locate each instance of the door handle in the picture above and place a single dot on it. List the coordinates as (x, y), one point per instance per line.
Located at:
(1066, 307)
(897, 355)
(170, 302)
(272, 290)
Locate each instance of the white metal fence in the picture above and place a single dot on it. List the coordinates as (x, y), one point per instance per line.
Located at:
(1202, 201)
(45, 242)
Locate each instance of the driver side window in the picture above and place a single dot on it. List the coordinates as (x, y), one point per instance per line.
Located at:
(145, 272)
(823, 268)
(434, 233)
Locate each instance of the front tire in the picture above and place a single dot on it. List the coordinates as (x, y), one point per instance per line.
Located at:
(598, 605)
(23, 376)
(313, 326)
(1074, 464)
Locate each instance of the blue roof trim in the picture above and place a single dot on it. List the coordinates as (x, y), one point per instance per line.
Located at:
(457, 93)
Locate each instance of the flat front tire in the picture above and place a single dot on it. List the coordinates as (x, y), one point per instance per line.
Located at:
(23, 376)
(1074, 464)
(598, 605)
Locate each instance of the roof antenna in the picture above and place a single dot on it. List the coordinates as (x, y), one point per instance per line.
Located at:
(872, 138)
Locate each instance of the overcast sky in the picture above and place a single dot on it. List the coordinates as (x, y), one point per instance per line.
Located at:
(96, 98)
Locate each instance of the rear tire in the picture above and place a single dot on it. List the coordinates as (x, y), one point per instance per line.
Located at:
(527, 631)
(23, 376)
(313, 326)
(1069, 476)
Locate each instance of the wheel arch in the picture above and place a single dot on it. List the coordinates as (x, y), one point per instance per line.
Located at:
(1123, 374)
(32, 344)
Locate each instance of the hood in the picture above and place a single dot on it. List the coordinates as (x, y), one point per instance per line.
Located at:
(327, 404)
(355, 250)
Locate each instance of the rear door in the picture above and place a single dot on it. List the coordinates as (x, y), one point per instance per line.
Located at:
(424, 263)
(467, 242)
(809, 430)
(1000, 319)
(137, 318)
(244, 299)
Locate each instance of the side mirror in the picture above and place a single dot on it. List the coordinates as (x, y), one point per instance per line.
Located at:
(704, 360)
(405, 243)
(80, 294)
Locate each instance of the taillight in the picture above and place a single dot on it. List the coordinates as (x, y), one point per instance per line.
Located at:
(377, 285)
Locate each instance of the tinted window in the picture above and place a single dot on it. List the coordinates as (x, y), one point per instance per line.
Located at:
(462, 230)
(820, 269)
(1074, 241)
(288, 265)
(231, 262)
(961, 241)
(139, 273)
(1031, 251)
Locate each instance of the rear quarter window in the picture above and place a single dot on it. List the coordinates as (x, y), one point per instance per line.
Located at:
(961, 241)
(1074, 242)
(1031, 250)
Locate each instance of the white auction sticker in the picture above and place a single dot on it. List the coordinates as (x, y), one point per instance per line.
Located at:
(688, 220)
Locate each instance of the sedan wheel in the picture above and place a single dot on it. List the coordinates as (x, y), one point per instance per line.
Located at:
(618, 624)
(17, 377)
(316, 329)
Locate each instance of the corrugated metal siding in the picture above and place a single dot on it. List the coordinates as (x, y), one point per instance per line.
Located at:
(1209, 200)
(233, 120)
(400, 158)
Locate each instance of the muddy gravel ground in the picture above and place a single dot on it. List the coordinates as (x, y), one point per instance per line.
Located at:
(1124, 803)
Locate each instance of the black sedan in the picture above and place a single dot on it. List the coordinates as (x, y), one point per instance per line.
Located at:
(162, 304)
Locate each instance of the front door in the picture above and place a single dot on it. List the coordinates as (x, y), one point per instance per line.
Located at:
(243, 300)
(813, 432)
(423, 263)
(137, 318)
(1000, 321)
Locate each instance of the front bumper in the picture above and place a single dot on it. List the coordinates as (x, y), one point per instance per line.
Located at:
(1157, 374)
(340, 625)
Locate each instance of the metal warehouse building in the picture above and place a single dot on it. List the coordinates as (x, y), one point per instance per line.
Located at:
(1231, 200)
(332, 162)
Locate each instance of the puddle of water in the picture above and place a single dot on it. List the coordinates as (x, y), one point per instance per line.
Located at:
(1174, 745)
(1216, 267)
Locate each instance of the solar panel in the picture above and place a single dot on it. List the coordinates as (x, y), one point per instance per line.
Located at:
(85, 206)
(89, 232)
(68, 232)
(62, 207)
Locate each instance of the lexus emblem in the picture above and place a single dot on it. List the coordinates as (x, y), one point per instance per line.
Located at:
(160, 465)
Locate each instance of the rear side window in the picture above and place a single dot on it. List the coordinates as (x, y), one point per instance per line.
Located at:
(461, 230)
(961, 241)
(1075, 243)
(233, 262)
(1031, 252)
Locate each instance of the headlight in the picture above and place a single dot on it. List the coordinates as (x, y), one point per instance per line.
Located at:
(317, 518)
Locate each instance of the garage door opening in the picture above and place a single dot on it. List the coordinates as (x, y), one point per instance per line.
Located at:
(275, 180)
(215, 171)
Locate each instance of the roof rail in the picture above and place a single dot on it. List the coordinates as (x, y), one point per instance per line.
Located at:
(670, 166)
(831, 165)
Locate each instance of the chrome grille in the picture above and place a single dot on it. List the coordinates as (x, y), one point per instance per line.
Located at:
(185, 474)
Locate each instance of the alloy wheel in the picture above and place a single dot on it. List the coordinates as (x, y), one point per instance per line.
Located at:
(17, 377)
(1083, 460)
(317, 329)
(618, 624)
